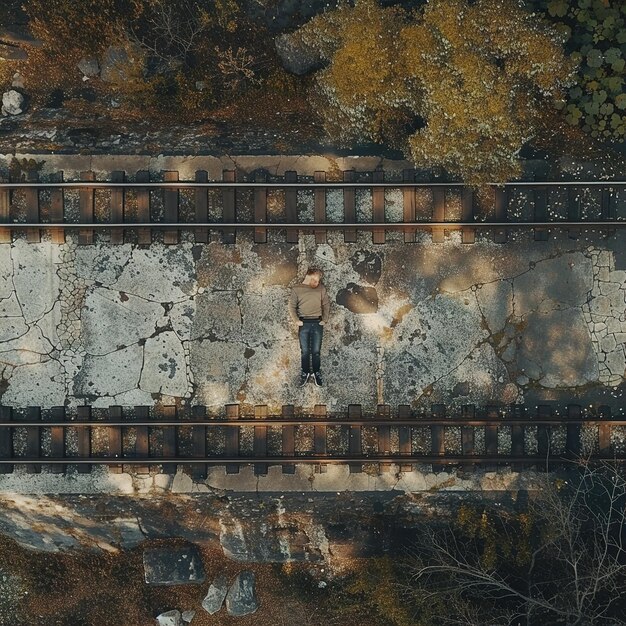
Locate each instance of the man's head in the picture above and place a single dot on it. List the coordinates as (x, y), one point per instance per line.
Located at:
(313, 277)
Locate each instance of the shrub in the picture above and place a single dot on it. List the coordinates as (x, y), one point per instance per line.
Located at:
(595, 32)
(458, 86)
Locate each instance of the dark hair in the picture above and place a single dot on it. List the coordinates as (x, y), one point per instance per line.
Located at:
(314, 270)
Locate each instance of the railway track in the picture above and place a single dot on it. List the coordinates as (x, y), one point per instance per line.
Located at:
(135, 210)
(138, 439)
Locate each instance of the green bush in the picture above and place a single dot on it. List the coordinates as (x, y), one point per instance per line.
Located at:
(459, 85)
(596, 39)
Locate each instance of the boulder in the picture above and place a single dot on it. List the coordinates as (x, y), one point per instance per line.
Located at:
(241, 597)
(12, 53)
(18, 81)
(89, 66)
(188, 616)
(112, 69)
(170, 618)
(212, 603)
(18, 38)
(173, 566)
(295, 56)
(12, 102)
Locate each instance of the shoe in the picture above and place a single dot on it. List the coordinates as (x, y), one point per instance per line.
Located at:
(317, 379)
(304, 378)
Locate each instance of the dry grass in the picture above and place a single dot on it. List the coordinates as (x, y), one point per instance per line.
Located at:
(89, 588)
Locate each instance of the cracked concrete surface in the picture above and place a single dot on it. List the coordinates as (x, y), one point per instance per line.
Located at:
(410, 323)
(208, 324)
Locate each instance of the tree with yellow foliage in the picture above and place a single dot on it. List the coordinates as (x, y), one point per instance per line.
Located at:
(476, 75)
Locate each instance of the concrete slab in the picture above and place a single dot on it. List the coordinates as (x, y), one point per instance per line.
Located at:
(173, 565)
(111, 374)
(111, 320)
(441, 322)
(215, 323)
(163, 369)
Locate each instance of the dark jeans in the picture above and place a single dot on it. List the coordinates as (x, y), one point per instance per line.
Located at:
(310, 344)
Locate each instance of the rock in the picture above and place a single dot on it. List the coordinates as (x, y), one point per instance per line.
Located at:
(18, 81)
(200, 85)
(188, 616)
(255, 541)
(12, 102)
(89, 66)
(241, 597)
(173, 566)
(169, 618)
(295, 56)
(358, 299)
(18, 38)
(112, 67)
(216, 594)
(12, 53)
(555, 348)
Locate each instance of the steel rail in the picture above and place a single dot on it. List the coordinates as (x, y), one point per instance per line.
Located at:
(307, 225)
(300, 185)
(309, 458)
(416, 422)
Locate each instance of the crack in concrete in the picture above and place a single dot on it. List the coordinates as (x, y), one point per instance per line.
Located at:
(143, 362)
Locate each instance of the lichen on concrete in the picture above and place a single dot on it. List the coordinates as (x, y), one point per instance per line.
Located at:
(410, 323)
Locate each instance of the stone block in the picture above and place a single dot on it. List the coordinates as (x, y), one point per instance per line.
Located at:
(173, 566)
(241, 597)
(212, 602)
(169, 618)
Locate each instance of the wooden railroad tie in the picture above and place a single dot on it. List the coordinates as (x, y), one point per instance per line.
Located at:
(173, 438)
(540, 195)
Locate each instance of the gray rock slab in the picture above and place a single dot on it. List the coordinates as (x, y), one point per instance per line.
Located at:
(173, 566)
(481, 376)
(218, 316)
(102, 262)
(426, 347)
(554, 283)
(170, 618)
(188, 616)
(111, 374)
(37, 384)
(29, 347)
(164, 369)
(214, 598)
(266, 311)
(182, 316)
(219, 370)
(48, 326)
(89, 66)
(11, 328)
(254, 541)
(9, 306)
(241, 597)
(114, 319)
(555, 348)
(35, 278)
(616, 363)
(159, 273)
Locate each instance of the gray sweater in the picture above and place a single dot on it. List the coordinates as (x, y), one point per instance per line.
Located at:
(307, 301)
